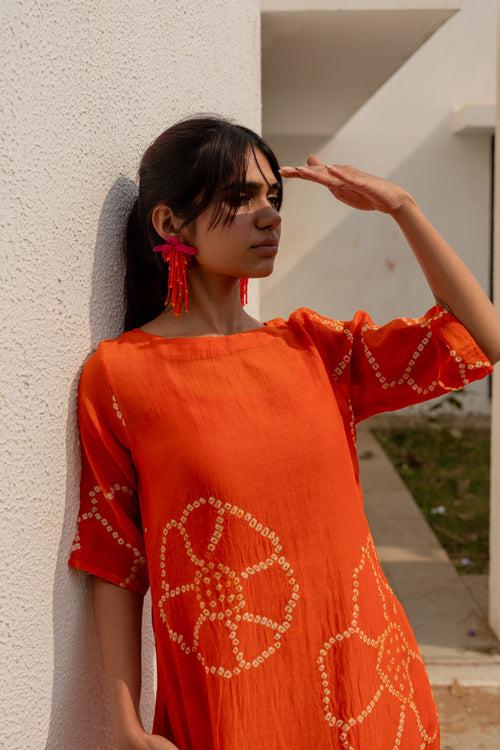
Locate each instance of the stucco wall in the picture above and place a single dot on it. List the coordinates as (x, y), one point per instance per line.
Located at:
(85, 88)
(336, 259)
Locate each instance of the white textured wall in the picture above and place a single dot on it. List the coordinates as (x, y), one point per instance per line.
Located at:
(337, 259)
(85, 88)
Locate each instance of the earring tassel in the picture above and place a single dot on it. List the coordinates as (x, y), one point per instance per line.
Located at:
(174, 252)
(177, 282)
(244, 290)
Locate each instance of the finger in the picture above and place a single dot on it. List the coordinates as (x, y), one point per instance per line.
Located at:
(347, 174)
(320, 176)
(313, 160)
(313, 174)
(335, 170)
(297, 172)
(316, 170)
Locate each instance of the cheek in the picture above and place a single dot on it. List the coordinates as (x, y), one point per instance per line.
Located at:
(242, 228)
(224, 240)
(222, 243)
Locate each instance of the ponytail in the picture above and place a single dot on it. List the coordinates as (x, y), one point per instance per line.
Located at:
(146, 277)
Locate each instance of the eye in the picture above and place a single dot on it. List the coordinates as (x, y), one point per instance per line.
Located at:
(245, 198)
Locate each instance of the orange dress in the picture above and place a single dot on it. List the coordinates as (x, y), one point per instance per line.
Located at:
(221, 472)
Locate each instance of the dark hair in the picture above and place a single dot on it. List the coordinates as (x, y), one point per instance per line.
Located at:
(197, 161)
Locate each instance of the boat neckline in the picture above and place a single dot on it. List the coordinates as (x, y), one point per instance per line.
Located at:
(210, 338)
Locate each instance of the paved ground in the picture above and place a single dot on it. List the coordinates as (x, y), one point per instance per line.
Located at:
(443, 607)
(469, 717)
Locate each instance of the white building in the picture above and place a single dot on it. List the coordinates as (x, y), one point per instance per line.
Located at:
(406, 91)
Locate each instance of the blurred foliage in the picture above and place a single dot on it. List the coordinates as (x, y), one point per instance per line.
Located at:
(447, 470)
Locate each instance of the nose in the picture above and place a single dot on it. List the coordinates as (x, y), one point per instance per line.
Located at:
(269, 218)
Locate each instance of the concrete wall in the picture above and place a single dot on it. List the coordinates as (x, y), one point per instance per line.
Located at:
(85, 88)
(336, 259)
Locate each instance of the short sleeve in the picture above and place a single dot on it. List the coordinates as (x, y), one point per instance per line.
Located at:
(108, 541)
(384, 367)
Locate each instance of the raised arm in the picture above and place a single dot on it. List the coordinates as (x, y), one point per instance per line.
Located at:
(454, 286)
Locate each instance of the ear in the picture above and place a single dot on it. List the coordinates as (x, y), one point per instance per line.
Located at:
(163, 220)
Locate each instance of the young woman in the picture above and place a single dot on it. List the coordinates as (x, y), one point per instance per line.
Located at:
(219, 464)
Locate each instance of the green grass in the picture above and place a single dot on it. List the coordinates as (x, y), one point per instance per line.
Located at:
(448, 466)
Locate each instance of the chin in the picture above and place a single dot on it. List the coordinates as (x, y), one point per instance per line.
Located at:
(258, 273)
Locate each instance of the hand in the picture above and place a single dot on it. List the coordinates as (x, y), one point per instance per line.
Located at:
(141, 740)
(156, 742)
(352, 186)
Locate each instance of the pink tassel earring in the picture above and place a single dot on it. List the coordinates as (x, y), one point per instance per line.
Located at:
(244, 290)
(175, 252)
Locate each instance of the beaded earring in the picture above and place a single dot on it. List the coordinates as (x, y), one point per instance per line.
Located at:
(175, 252)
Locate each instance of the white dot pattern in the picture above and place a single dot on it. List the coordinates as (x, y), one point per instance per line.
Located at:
(220, 591)
(393, 656)
(402, 387)
(97, 513)
(117, 409)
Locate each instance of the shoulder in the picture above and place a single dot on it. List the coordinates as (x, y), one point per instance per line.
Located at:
(93, 379)
(317, 323)
(107, 355)
(308, 316)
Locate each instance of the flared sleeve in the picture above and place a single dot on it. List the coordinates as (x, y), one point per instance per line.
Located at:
(384, 367)
(108, 540)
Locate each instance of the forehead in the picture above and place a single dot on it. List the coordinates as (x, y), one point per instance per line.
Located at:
(254, 173)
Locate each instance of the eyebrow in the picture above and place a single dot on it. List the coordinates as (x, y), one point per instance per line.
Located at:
(252, 185)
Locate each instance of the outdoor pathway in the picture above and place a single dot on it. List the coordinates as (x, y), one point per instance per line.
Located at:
(447, 611)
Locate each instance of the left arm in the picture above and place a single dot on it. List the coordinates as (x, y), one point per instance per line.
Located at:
(454, 286)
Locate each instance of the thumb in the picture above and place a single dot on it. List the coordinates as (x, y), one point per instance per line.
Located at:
(313, 161)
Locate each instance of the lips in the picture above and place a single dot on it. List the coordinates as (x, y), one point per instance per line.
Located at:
(267, 243)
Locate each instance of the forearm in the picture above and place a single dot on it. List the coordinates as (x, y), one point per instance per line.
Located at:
(118, 615)
(453, 284)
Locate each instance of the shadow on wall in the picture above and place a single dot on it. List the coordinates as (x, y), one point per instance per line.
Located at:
(80, 706)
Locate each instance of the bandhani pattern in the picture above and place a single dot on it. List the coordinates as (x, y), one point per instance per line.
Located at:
(376, 368)
(393, 662)
(101, 514)
(218, 591)
(108, 540)
(220, 474)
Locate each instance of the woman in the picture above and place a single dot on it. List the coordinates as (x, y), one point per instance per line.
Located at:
(219, 464)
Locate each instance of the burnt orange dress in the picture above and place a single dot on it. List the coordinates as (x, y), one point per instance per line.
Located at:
(221, 472)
